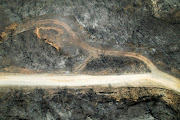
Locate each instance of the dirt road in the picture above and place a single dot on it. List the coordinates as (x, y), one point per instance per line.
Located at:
(156, 78)
(133, 80)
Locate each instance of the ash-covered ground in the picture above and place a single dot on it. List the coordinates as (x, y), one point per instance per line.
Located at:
(148, 27)
(88, 104)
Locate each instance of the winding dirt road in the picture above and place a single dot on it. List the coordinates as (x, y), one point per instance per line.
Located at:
(156, 78)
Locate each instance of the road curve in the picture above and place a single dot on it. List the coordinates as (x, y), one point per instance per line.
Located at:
(155, 78)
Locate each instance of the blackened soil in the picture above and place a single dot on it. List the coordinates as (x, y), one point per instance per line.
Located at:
(70, 104)
(117, 65)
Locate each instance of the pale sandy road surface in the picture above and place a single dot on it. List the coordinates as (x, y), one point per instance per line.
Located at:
(156, 78)
(132, 80)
